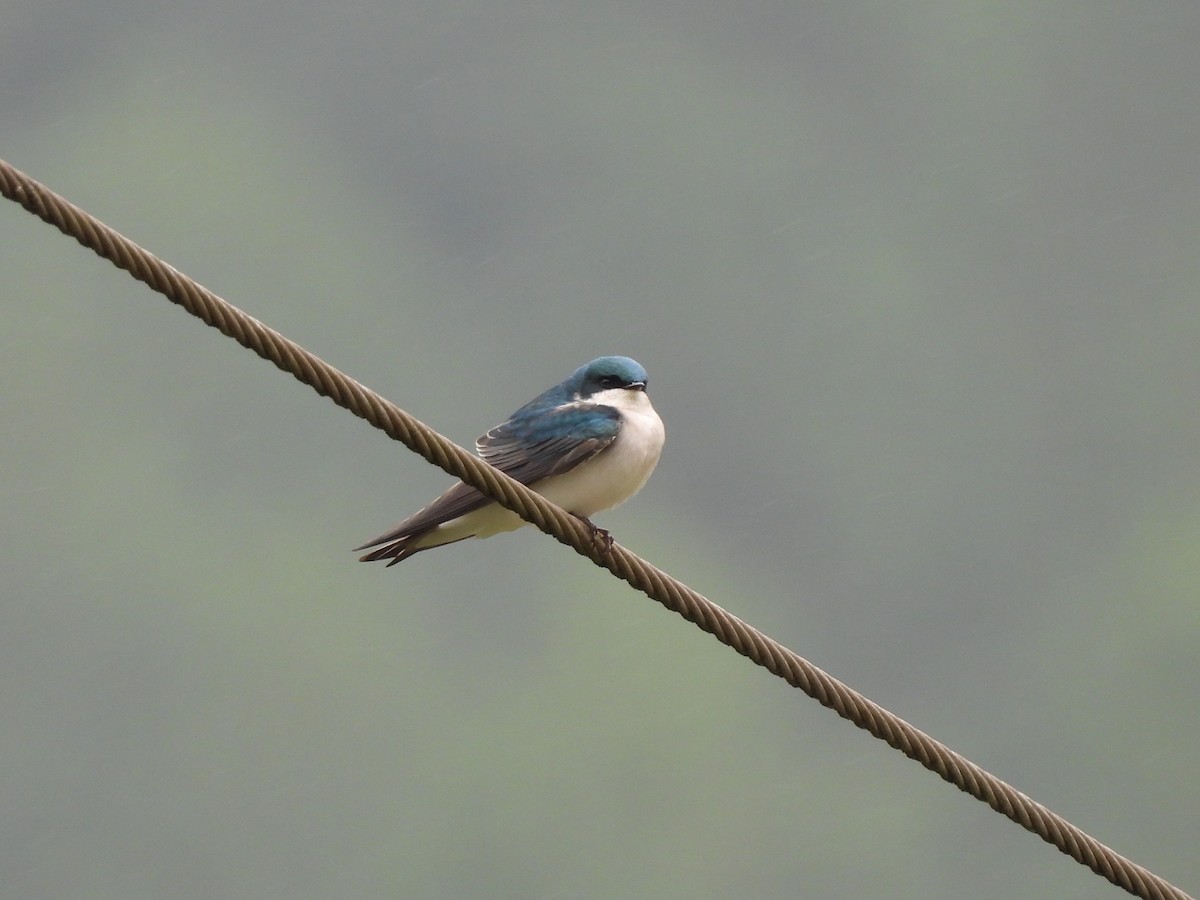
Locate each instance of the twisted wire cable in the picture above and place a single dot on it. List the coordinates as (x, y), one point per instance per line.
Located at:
(656, 584)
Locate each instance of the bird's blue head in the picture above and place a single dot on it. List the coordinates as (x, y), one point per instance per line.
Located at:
(606, 374)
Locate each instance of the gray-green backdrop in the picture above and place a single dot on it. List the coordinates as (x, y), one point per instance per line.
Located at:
(918, 287)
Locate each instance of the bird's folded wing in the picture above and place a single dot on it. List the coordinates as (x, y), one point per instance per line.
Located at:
(532, 447)
(577, 432)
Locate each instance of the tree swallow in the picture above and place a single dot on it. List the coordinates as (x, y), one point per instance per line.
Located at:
(587, 444)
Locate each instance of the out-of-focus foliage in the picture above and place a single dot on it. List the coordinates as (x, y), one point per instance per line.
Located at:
(917, 288)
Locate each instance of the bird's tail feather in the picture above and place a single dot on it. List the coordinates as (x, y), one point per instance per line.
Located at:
(400, 549)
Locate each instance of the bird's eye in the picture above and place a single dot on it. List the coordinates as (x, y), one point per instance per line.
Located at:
(609, 381)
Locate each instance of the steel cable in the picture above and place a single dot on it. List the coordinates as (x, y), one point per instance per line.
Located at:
(656, 584)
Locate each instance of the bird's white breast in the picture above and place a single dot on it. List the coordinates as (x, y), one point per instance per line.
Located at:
(619, 471)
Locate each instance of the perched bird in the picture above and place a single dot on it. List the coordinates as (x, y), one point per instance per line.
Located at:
(587, 444)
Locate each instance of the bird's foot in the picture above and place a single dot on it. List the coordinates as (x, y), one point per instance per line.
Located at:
(600, 536)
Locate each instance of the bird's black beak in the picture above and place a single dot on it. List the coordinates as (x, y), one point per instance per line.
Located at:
(636, 386)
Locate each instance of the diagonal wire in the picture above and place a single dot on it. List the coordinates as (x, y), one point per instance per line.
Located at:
(656, 584)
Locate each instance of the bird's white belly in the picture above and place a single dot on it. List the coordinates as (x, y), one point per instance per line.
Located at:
(619, 471)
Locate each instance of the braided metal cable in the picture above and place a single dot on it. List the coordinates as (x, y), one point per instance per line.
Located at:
(656, 584)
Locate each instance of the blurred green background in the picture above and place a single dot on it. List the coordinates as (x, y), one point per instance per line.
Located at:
(918, 288)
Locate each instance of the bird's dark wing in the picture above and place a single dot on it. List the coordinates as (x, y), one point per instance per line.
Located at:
(528, 448)
(458, 501)
(533, 447)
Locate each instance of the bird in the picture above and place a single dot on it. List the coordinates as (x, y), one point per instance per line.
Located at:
(587, 444)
